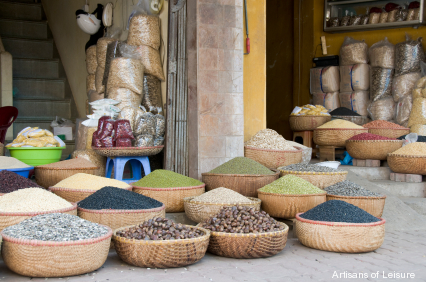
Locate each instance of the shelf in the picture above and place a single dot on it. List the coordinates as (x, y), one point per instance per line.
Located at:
(379, 26)
(343, 2)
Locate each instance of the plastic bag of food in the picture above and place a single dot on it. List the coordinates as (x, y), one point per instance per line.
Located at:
(383, 109)
(421, 83)
(355, 20)
(418, 112)
(144, 29)
(126, 73)
(355, 77)
(403, 109)
(382, 54)
(94, 96)
(401, 15)
(408, 55)
(364, 19)
(329, 100)
(159, 141)
(91, 61)
(152, 98)
(417, 93)
(107, 142)
(323, 80)
(413, 14)
(146, 125)
(129, 113)
(380, 83)
(424, 92)
(353, 52)
(90, 83)
(122, 129)
(99, 86)
(334, 22)
(151, 60)
(127, 97)
(107, 129)
(356, 101)
(403, 85)
(93, 157)
(123, 142)
(383, 18)
(160, 125)
(111, 53)
(144, 141)
(344, 21)
(420, 129)
(102, 45)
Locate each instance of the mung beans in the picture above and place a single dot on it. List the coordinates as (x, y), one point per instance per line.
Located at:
(291, 184)
(222, 195)
(242, 165)
(161, 178)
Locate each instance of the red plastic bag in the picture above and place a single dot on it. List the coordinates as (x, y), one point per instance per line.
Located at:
(107, 142)
(391, 6)
(414, 5)
(107, 129)
(375, 10)
(100, 125)
(123, 142)
(123, 129)
(96, 142)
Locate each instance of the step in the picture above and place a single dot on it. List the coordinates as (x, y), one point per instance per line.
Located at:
(24, 29)
(36, 68)
(42, 109)
(403, 189)
(39, 88)
(370, 173)
(29, 48)
(21, 11)
(417, 204)
(21, 123)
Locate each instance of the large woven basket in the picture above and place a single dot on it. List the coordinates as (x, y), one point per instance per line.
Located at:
(360, 120)
(407, 164)
(47, 177)
(250, 245)
(12, 218)
(173, 197)
(273, 158)
(200, 211)
(305, 123)
(245, 184)
(128, 151)
(389, 132)
(372, 149)
(287, 206)
(161, 253)
(75, 195)
(319, 179)
(36, 258)
(335, 136)
(372, 205)
(339, 236)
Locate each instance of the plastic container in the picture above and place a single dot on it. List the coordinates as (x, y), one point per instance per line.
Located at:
(34, 156)
(25, 172)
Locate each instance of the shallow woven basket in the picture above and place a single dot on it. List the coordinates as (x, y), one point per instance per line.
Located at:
(128, 151)
(12, 218)
(339, 236)
(287, 206)
(245, 184)
(319, 179)
(47, 177)
(161, 253)
(304, 123)
(389, 132)
(172, 198)
(372, 205)
(407, 164)
(372, 149)
(273, 158)
(250, 245)
(200, 211)
(36, 258)
(75, 195)
(335, 136)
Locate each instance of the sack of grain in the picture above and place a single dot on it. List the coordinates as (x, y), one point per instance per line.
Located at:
(418, 112)
(152, 98)
(356, 101)
(403, 110)
(111, 53)
(151, 60)
(144, 30)
(127, 97)
(126, 73)
(91, 61)
(130, 114)
(380, 83)
(417, 93)
(421, 83)
(90, 83)
(354, 78)
(403, 85)
(102, 44)
(382, 54)
(329, 100)
(324, 80)
(408, 55)
(353, 52)
(100, 87)
(94, 96)
(420, 129)
(383, 109)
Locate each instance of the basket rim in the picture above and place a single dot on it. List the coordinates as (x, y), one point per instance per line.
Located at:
(112, 211)
(292, 195)
(52, 188)
(276, 171)
(341, 129)
(314, 116)
(375, 141)
(251, 235)
(340, 224)
(168, 188)
(348, 116)
(75, 168)
(161, 242)
(406, 156)
(359, 197)
(313, 172)
(388, 128)
(73, 207)
(271, 150)
(255, 201)
(127, 148)
(39, 243)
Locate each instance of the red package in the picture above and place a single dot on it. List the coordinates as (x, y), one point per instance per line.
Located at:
(107, 129)
(101, 122)
(375, 10)
(122, 129)
(107, 142)
(391, 6)
(414, 5)
(123, 142)
(96, 142)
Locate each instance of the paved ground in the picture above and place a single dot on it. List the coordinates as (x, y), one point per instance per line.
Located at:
(401, 252)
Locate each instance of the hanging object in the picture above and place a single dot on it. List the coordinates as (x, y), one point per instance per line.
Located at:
(107, 14)
(155, 6)
(247, 29)
(87, 22)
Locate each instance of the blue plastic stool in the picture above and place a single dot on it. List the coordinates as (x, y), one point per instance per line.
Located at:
(135, 162)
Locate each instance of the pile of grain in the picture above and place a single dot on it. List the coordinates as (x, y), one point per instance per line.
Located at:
(9, 163)
(90, 182)
(340, 123)
(242, 165)
(291, 184)
(269, 139)
(412, 149)
(222, 195)
(161, 178)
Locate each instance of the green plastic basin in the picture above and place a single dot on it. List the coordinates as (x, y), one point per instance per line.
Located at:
(35, 156)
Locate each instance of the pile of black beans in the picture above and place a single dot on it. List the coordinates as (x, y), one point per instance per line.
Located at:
(10, 181)
(420, 138)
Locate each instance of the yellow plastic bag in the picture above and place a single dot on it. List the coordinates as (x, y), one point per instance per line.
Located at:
(418, 112)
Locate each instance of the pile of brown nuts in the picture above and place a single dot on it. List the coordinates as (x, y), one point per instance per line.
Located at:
(160, 229)
(238, 219)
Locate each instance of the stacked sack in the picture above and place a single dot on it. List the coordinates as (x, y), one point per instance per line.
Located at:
(91, 66)
(324, 87)
(417, 120)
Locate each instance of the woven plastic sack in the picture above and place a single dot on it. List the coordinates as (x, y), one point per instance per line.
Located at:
(144, 141)
(323, 80)
(403, 85)
(383, 109)
(408, 55)
(382, 54)
(100, 87)
(329, 100)
(356, 101)
(151, 60)
(126, 73)
(420, 129)
(403, 110)
(93, 157)
(353, 52)
(152, 99)
(91, 61)
(144, 29)
(127, 97)
(418, 112)
(90, 83)
(380, 83)
(354, 78)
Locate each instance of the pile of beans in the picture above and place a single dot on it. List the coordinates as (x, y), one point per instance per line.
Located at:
(309, 167)
(222, 195)
(382, 124)
(238, 219)
(118, 199)
(420, 138)
(10, 181)
(241, 165)
(339, 211)
(161, 178)
(88, 181)
(160, 229)
(269, 139)
(348, 188)
(339, 123)
(369, 136)
(9, 163)
(412, 149)
(293, 185)
(57, 227)
(71, 164)
(342, 111)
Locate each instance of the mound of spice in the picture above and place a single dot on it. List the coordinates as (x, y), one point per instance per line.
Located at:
(222, 195)
(340, 123)
(58, 227)
(291, 184)
(10, 181)
(339, 211)
(32, 200)
(70, 164)
(412, 149)
(9, 163)
(342, 111)
(309, 167)
(269, 139)
(370, 136)
(349, 188)
(420, 138)
(382, 124)
(238, 219)
(159, 228)
(89, 181)
(242, 165)
(161, 178)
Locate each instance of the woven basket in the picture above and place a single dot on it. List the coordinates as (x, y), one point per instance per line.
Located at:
(372, 149)
(319, 179)
(372, 205)
(161, 253)
(287, 206)
(251, 245)
(305, 123)
(47, 177)
(200, 211)
(11, 218)
(335, 136)
(339, 236)
(128, 151)
(245, 184)
(36, 258)
(75, 195)
(273, 158)
(360, 120)
(407, 164)
(172, 198)
(389, 132)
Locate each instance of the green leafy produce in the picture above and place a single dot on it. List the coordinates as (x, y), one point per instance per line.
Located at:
(241, 165)
(161, 178)
(291, 184)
